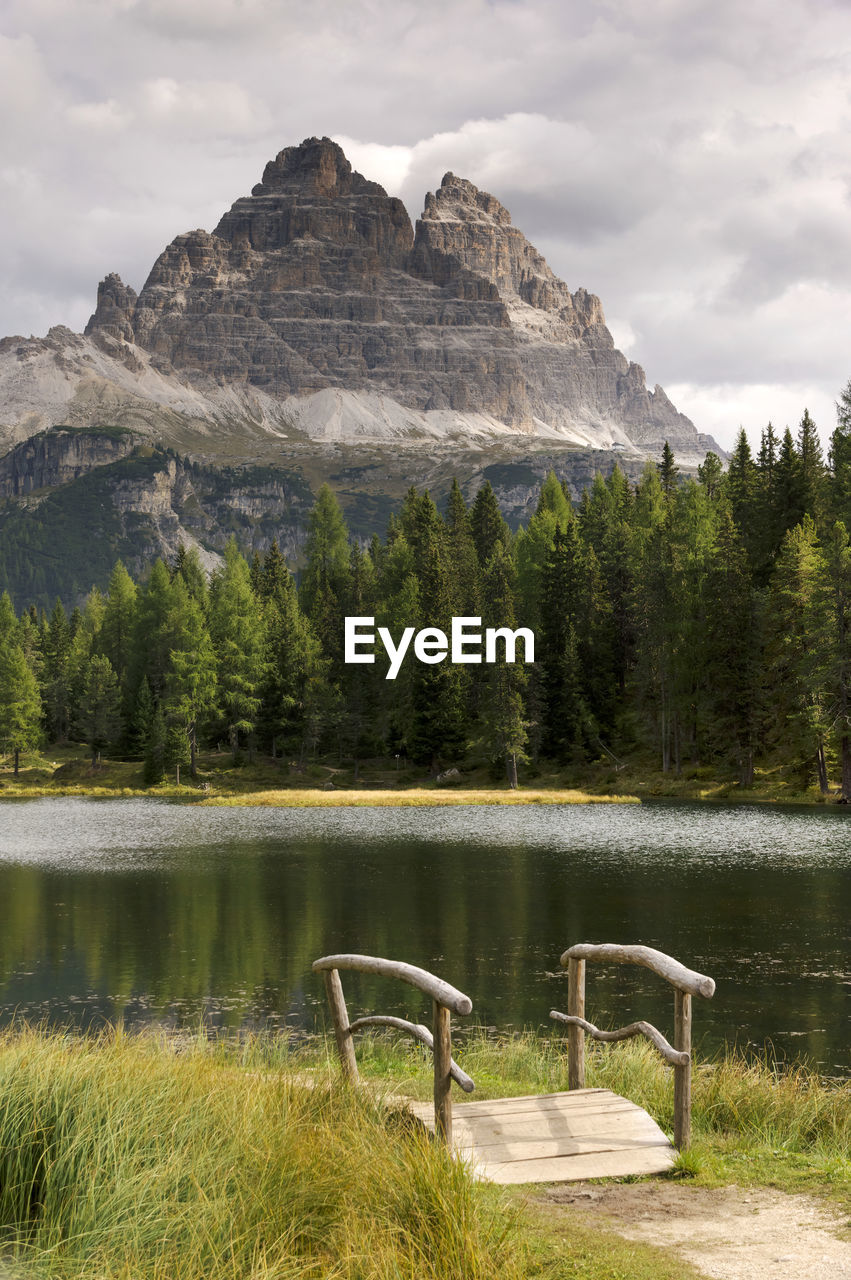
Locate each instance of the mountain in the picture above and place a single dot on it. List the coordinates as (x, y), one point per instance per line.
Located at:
(315, 334)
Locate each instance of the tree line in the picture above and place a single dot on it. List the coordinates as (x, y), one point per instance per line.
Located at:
(702, 619)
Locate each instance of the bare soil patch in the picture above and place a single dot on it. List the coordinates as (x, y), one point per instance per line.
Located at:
(732, 1233)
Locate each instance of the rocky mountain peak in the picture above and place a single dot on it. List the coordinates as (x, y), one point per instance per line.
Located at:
(317, 283)
(317, 166)
(457, 199)
(473, 226)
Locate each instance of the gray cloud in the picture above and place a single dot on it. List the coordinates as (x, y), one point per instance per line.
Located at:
(688, 161)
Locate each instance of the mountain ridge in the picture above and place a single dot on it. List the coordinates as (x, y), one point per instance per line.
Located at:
(318, 279)
(316, 335)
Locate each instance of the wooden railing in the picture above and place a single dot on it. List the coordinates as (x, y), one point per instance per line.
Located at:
(446, 1000)
(686, 983)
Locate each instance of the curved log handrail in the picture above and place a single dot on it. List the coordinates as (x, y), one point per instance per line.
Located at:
(668, 1052)
(694, 984)
(440, 991)
(418, 1032)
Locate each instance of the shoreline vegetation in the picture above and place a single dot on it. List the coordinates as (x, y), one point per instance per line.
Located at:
(69, 771)
(151, 1155)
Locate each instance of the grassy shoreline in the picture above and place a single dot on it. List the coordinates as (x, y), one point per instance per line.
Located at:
(152, 1156)
(265, 781)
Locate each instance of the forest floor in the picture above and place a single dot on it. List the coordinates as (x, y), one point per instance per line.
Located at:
(68, 770)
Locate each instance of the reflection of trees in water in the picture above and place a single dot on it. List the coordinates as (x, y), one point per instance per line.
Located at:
(237, 935)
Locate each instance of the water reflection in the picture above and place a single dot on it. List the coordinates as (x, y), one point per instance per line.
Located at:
(158, 912)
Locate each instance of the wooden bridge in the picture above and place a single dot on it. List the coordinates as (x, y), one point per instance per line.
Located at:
(557, 1137)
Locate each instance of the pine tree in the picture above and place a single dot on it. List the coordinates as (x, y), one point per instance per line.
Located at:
(789, 490)
(116, 637)
(327, 564)
(236, 630)
(534, 546)
(438, 690)
(504, 726)
(295, 672)
(20, 703)
(463, 556)
(840, 459)
(57, 693)
(668, 472)
(487, 525)
(731, 653)
(839, 569)
(799, 649)
(153, 634)
(189, 696)
(743, 493)
(812, 471)
(711, 474)
(98, 720)
(568, 727)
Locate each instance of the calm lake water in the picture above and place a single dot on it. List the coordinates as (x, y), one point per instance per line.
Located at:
(170, 914)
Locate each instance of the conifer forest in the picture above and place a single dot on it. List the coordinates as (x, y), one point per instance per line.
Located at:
(700, 621)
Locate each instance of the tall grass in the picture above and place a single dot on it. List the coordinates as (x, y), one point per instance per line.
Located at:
(122, 1158)
(143, 1159)
(753, 1118)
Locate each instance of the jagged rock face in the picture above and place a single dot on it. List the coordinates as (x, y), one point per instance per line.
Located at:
(305, 285)
(317, 280)
(59, 457)
(572, 372)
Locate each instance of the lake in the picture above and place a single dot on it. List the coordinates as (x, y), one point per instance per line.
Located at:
(174, 914)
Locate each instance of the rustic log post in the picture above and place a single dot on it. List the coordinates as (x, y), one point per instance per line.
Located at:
(682, 1075)
(340, 1017)
(576, 1035)
(442, 1078)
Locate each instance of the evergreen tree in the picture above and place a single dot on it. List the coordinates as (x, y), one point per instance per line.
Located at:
(98, 720)
(359, 698)
(568, 727)
(789, 490)
(189, 697)
(20, 703)
(487, 525)
(811, 470)
(462, 556)
(731, 653)
(58, 698)
(799, 649)
(438, 692)
(668, 472)
(236, 630)
(504, 727)
(839, 569)
(193, 575)
(116, 637)
(534, 546)
(153, 634)
(840, 459)
(742, 491)
(711, 474)
(323, 580)
(295, 695)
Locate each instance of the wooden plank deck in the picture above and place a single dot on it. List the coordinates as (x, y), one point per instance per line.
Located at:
(556, 1137)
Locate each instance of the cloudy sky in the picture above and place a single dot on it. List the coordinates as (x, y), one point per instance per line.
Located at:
(687, 160)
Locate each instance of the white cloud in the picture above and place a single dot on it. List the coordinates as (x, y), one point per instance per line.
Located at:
(687, 160)
(100, 116)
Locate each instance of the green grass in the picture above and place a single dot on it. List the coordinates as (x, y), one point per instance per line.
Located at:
(133, 1158)
(754, 1121)
(67, 770)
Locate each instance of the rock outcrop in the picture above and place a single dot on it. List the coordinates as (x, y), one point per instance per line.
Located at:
(317, 280)
(315, 335)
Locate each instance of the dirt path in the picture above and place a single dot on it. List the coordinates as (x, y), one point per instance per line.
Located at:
(731, 1233)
